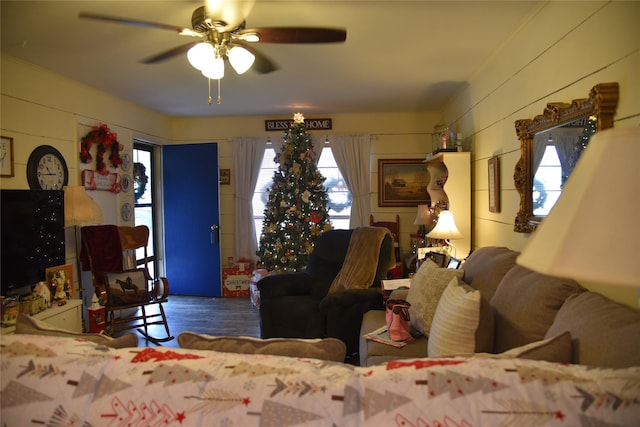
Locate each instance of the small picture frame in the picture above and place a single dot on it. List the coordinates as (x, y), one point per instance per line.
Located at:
(454, 263)
(6, 156)
(225, 176)
(494, 184)
(437, 257)
(60, 281)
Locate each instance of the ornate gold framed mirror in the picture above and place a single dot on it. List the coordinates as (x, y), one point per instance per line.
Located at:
(551, 144)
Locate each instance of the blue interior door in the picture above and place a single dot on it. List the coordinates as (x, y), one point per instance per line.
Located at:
(191, 219)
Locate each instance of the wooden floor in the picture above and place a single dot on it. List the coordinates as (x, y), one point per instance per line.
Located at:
(205, 315)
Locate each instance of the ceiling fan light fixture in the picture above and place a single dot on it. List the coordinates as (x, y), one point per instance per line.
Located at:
(201, 55)
(241, 59)
(215, 70)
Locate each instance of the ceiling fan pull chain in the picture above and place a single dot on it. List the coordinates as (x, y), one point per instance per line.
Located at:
(209, 83)
(219, 97)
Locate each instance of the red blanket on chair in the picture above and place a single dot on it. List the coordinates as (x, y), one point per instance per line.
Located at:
(102, 244)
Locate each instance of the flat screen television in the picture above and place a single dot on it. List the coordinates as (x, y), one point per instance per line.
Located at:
(32, 237)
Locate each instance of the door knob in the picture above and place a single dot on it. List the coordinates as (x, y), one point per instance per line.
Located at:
(215, 234)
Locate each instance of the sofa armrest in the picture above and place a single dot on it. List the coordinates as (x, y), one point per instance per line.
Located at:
(350, 297)
(342, 313)
(288, 284)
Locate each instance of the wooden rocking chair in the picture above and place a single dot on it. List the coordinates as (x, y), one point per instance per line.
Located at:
(394, 228)
(120, 283)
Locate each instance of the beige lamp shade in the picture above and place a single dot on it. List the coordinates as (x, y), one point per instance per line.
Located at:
(593, 231)
(79, 208)
(445, 227)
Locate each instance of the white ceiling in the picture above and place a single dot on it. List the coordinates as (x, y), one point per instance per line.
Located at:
(398, 56)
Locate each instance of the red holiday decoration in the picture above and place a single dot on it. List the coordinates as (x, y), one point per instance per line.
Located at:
(316, 217)
(107, 141)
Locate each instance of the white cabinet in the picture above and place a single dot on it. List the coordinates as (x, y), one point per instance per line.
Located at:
(450, 180)
(68, 317)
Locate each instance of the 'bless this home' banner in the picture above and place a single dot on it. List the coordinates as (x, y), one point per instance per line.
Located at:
(311, 124)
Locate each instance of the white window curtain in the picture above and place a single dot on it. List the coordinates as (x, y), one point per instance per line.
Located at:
(540, 142)
(566, 141)
(247, 159)
(276, 143)
(318, 145)
(352, 154)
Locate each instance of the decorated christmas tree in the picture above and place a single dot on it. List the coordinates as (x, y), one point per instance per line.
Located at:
(296, 212)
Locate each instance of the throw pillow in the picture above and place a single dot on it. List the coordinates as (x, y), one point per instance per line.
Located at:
(331, 349)
(555, 349)
(28, 325)
(604, 332)
(427, 286)
(458, 328)
(526, 304)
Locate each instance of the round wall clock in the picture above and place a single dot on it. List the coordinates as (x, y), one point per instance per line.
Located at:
(46, 169)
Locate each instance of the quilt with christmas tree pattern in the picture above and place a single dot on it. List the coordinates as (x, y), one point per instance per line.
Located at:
(57, 381)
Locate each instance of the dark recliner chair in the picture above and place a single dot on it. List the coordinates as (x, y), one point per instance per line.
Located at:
(296, 305)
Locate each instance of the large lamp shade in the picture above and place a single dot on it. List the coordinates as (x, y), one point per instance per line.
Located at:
(79, 208)
(593, 231)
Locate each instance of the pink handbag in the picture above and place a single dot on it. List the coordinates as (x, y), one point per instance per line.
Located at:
(398, 320)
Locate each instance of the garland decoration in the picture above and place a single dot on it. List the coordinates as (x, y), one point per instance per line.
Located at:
(106, 141)
(339, 195)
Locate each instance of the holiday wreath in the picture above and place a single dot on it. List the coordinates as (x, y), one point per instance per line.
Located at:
(106, 141)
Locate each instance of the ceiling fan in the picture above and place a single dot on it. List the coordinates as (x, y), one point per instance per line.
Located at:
(219, 41)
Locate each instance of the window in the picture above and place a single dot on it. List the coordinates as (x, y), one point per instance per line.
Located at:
(143, 197)
(338, 194)
(547, 182)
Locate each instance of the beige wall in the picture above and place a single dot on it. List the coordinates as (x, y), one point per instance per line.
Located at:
(559, 55)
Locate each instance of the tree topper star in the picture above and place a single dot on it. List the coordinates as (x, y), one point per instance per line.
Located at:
(298, 118)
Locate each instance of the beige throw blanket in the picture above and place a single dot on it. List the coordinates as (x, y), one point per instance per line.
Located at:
(361, 262)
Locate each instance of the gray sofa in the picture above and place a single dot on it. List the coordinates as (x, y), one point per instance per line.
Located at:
(527, 307)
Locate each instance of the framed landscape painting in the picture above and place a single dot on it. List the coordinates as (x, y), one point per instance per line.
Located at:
(402, 182)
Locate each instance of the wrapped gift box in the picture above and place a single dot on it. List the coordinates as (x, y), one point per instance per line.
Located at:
(235, 281)
(96, 319)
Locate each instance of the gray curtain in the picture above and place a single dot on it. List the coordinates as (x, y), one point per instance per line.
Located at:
(247, 159)
(352, 154)
(540, 142)
(565, 141)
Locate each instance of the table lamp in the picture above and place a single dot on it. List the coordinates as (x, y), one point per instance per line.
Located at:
(446, 230)
(593, 231)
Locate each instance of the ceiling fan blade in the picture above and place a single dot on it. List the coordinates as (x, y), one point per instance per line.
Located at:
(262, 63)
(168, 54)
(297, 34)
(136, 22)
